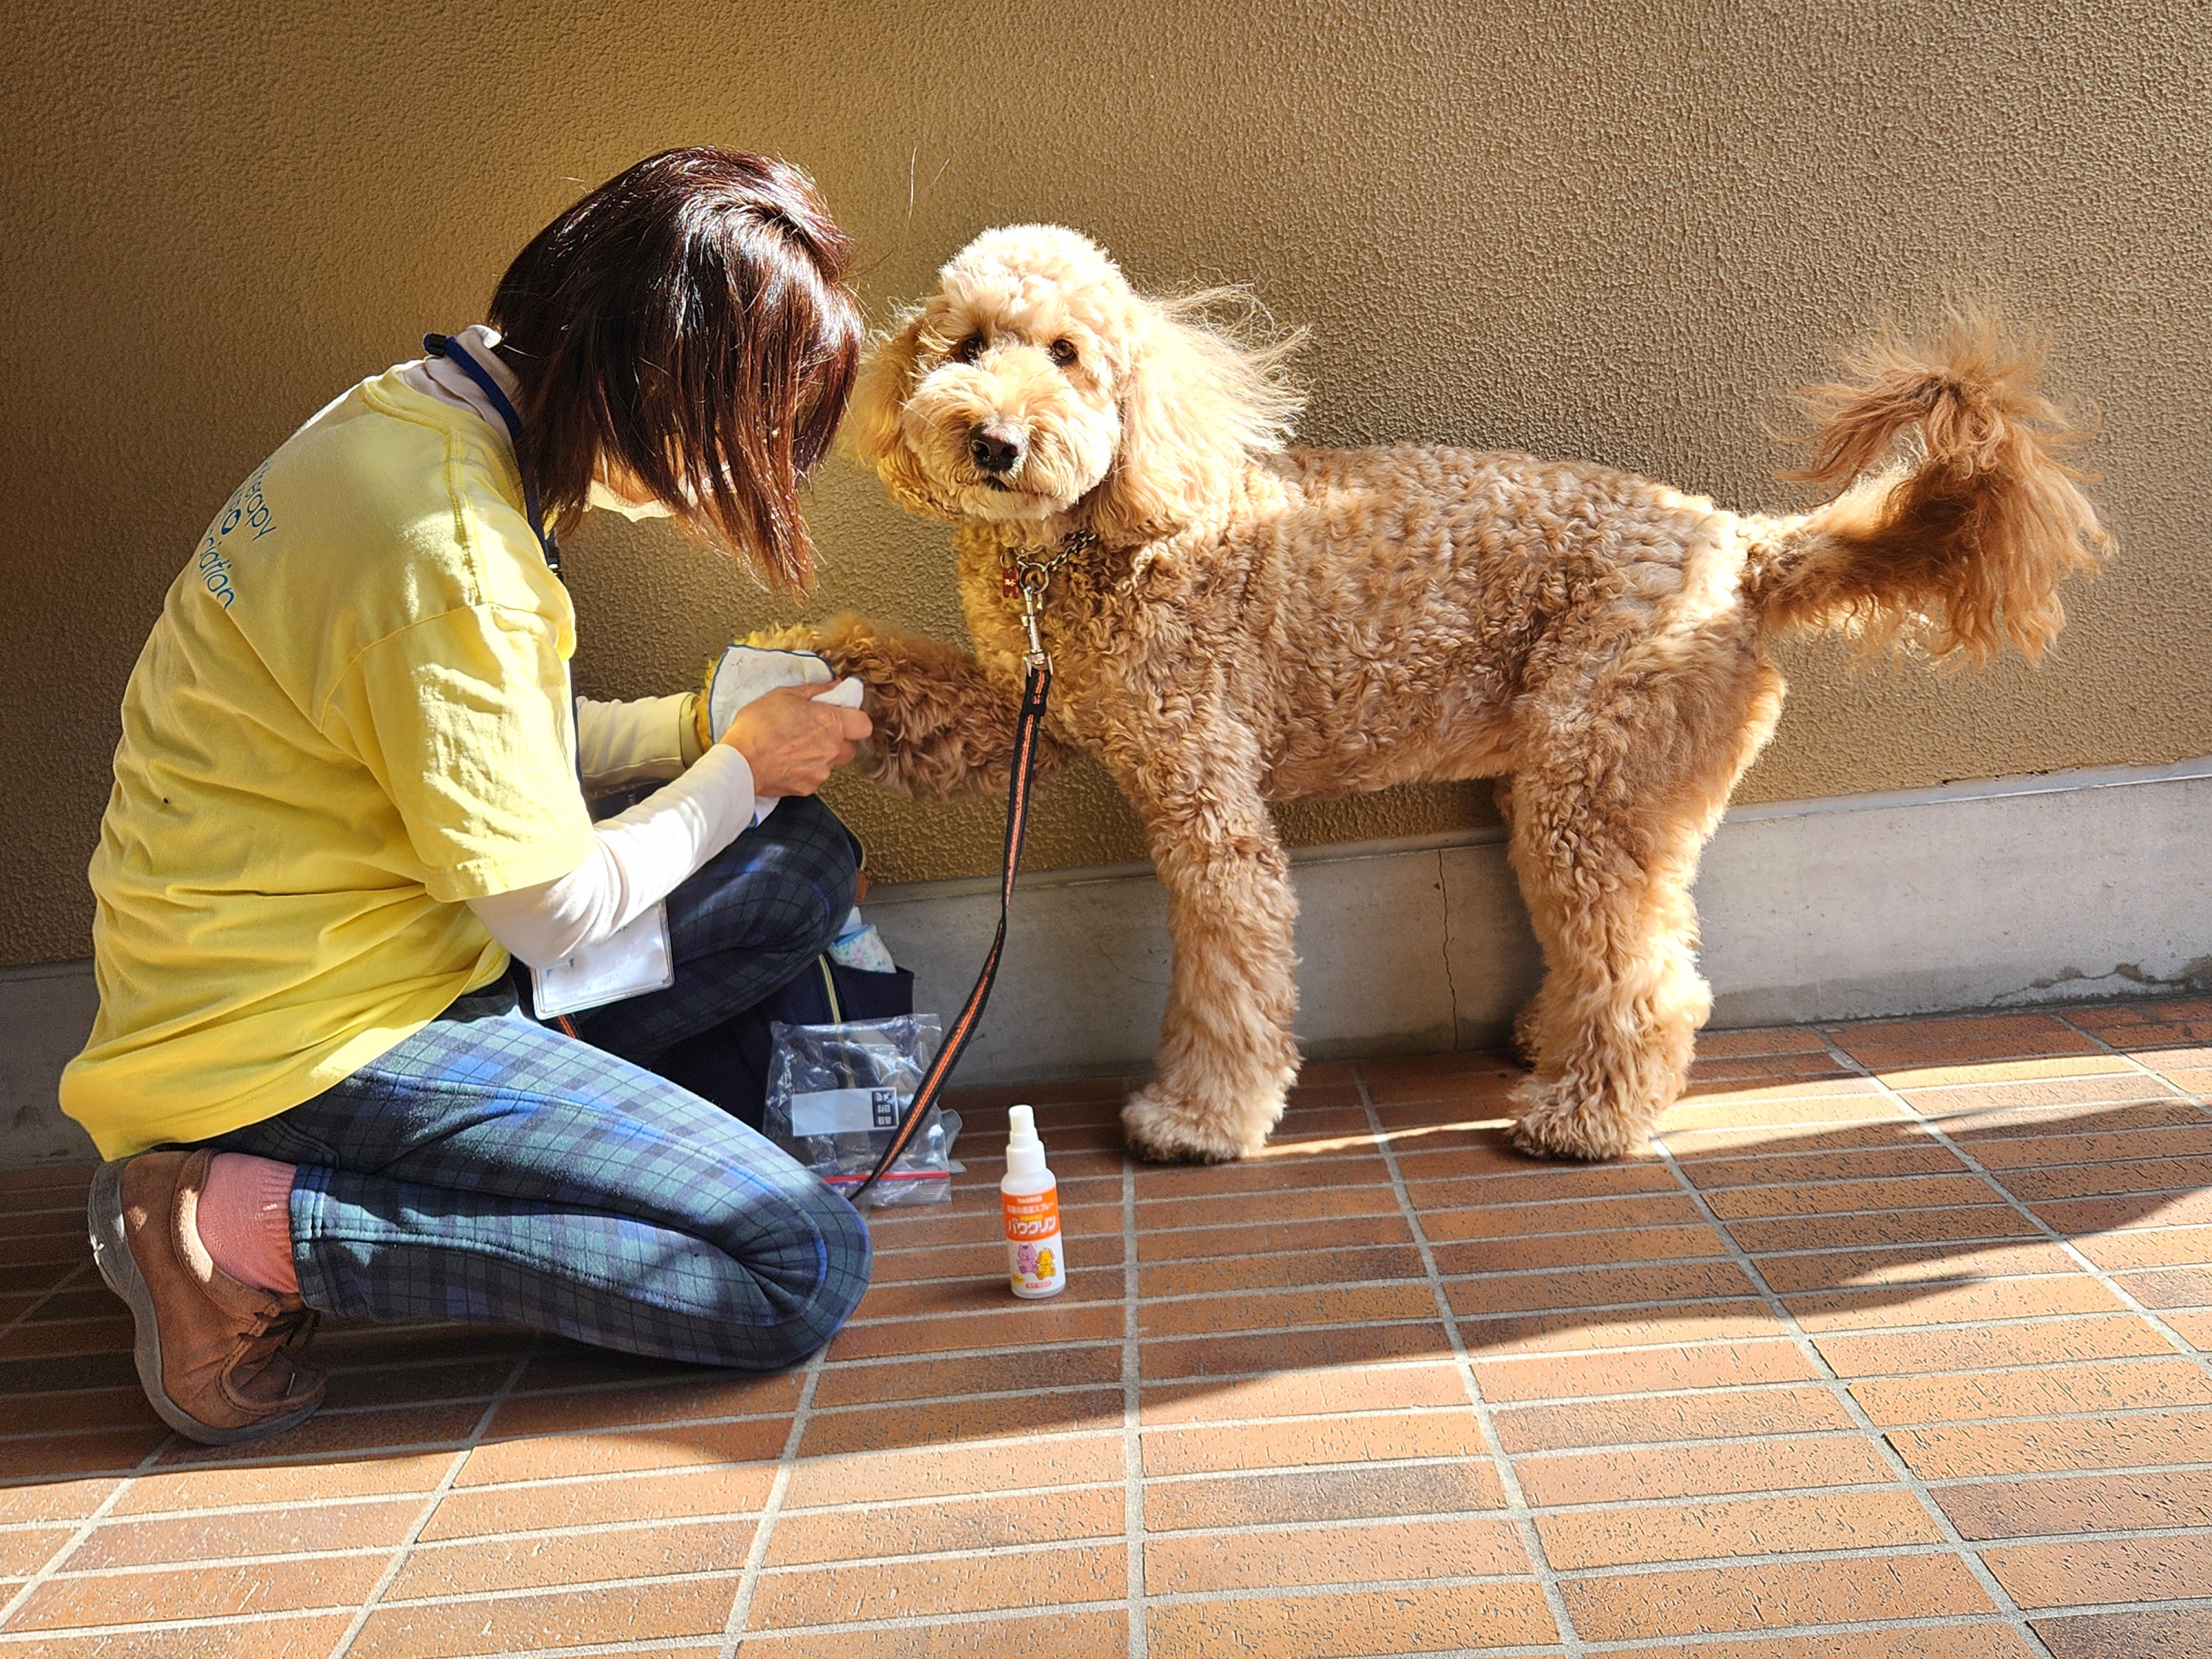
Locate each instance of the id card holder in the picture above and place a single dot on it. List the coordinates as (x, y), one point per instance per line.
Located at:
(628, 963)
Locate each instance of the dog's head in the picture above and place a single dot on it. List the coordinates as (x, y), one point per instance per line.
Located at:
(1036, 383)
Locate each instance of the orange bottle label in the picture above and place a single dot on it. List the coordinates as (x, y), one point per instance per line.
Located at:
(1031, 1216)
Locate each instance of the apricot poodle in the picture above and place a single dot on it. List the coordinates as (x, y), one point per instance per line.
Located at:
(1236, 621)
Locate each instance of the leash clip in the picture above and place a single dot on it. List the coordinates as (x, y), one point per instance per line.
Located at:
(1030, 578)
(1034, 579)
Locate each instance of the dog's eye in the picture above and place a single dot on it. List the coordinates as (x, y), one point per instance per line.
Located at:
(969, 350)
(1063, 352)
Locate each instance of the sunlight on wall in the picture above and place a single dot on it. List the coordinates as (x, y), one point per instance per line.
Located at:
(1580, 230)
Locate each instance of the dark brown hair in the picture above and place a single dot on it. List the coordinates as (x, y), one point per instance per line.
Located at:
(688, 321)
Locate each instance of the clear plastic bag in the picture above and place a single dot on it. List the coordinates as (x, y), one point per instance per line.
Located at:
(835, 1094)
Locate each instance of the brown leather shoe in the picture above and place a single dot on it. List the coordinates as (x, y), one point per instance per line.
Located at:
(214, 1356)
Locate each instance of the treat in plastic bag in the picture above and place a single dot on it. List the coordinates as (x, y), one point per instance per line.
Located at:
(835, 1094)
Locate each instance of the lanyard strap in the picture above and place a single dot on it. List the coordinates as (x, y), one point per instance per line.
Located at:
(445, 346)
(451, 349)
(1018, 810)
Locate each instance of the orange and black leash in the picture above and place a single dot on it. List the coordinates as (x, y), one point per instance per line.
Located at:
(1024, 774)
(1026, 733)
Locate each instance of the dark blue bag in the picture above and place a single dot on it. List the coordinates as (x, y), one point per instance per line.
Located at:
(729, 1064)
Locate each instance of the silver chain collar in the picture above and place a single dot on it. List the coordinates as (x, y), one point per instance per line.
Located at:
(1028, 579)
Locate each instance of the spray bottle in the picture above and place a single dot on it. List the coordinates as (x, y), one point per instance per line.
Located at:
(1031, 1199)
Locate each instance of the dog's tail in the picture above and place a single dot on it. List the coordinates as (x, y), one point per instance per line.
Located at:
(1957, 520)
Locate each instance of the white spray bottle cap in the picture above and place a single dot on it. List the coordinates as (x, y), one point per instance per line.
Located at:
(1024, 1151)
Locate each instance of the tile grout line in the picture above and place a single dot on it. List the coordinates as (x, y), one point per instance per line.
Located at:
(152, 1517)
(1080, 1545)
(1533, 1310)
(1516, 1501)
(1596, 1507)
(1132, 1445)
(1917, 1121)
(1517, 1404)
(1537, 1402)
(734, 1629)
(1401, 1362)
(66, 1281)
(2133, 1064)
(1656, 1308)
(1697, 1642)
(1703, 1643)
(886, 1322)
(1561, 1205)
(16, 1602)
(979, 1616)
(405, 1548)
(2112, 1286)
(865, 1506)
(85, 1527)
(1839, 1389)
(1503, 1355)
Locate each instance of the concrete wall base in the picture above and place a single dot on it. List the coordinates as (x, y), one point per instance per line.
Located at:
(46, 1013)
(2063, 887)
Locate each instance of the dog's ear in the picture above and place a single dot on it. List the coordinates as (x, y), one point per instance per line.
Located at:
(1197, 402)
(872, 434)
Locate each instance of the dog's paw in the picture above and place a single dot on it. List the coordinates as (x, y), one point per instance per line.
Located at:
(1162, 1129)
(1548, 1122)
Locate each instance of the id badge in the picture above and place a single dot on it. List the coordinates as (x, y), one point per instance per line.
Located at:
(628, 963)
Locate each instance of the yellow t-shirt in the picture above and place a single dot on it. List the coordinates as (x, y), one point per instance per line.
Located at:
(352, 717)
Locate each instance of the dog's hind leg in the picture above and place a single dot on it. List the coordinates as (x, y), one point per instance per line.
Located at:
(1611, 807)
(1623, 1000)
(1227, 1052)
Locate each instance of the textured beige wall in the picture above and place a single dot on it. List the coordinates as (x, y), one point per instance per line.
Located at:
(1604, 228)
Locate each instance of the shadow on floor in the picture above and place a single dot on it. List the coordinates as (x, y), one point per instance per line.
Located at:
(1305, 1260)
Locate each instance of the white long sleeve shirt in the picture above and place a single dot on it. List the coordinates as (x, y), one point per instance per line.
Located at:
(638, 859)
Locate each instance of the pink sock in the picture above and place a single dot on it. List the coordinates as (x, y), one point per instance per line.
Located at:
(246, 1220)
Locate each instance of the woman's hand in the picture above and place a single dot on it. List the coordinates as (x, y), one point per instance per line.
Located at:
(794, 742)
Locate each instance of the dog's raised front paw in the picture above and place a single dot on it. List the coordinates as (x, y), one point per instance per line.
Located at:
(1549, 1122)
(1162, 1129)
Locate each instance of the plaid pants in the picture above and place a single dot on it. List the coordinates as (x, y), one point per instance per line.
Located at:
(488, 1168)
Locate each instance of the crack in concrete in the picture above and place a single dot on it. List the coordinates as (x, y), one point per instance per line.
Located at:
(2193, 976)
(1451, 991)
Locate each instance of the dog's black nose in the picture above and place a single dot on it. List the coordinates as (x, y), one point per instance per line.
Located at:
(994, 449)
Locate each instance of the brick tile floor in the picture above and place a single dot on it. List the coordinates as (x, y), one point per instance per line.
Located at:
(1895, 1344)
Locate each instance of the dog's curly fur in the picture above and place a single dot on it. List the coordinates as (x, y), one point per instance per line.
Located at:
(1255, 623)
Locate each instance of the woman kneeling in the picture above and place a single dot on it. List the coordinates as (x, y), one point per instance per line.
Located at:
(349, 812)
